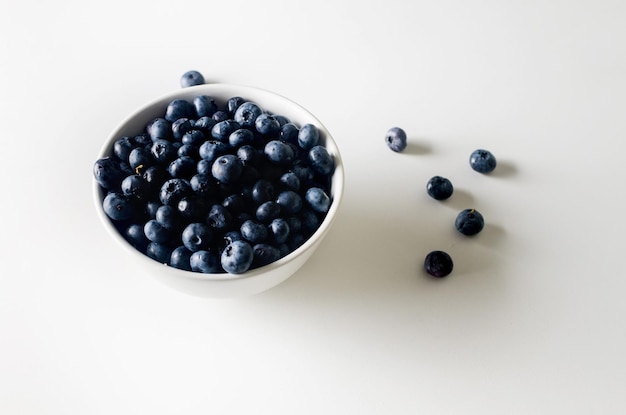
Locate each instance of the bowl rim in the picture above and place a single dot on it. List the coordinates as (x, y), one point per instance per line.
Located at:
(337, 181)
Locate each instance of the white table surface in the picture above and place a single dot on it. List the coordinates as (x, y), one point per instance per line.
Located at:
(532, 320)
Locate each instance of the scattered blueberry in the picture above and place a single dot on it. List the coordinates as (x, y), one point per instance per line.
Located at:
(439, 188)
(469, 222)
(482, 161)
(438, 264)
(191, 78)
(396, 139)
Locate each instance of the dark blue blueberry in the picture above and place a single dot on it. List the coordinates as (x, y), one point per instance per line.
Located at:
(108, 172)
(308, 136)
(122, 147)
(159, 252)
(317, 199)
(140, 159)
(396, 139)
(118, 206)
(189, 150)
(168, 217)
(439, 188)
(220, 116)
(219, 217)
(155, 176)
(205, 124)
(289, 133)
(181, 126)
(205, 106)
(290, 181)
(179, 108)
(183, 167)
(438, 264)
(309, 221)
(278, 231)
(233, 103)
(278, 152)
(223, 129)
(246, 114)
(240, 137)
(321, 160)
(204, 167)
(173, 190)
(469, 222)
(150, 209)
(159, 129)
(264, 254)
(181, 258)
(163, 151)
(193, 207)
(206, 261)
(248, 154)
(136, 237)
(282, 120)
(142, 139)
(289, 201)
(193, 137)
(237, 257)
(482, 161)
(197, 236)
(203, 184)
(235, 203)
(155, 232)
(135, 186)
(267, 125)
(232, 236)
(267, 211)
(295, 224)
(262, 191)
(303, 171)
(191, 78)
(212, 149)
(227, 168)
(253, 231)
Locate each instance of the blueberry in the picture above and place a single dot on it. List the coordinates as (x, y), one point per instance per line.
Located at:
(223, 129)
(233, 103)
(396, 139)
(118, 206)
(108, 172)
(439, 188)
(212, 149)
(167, 216)
(140, 159)
(438, 264)
(240, 138)
(248, 154)
(237, 257)
(267, 125)
(136, 237)
(205, 106)
(122, 147)
(282, 119)
(163, 151)
(193, 207)
(219, 217)
(193, 137)
(205, 124)
(253, 231)
(155, 232)
(317, 199)
(246, 114)
(290, 181)
(264, 254)
(183, 167)
(197, 236)
(180, 127)
(227, 168)
(173, 190)
(482, 161)
(308, 136)
(179, 108)
(469, 222)
(191, 78)
(181, 258)
(267, 211)
(232, 236)
(278, 152)
(159, 252)
(135, 186)
(220, 116)
(309, 221)
(159, 129)
(289, 133)
(278, 231)
(262, 191)
(203, 184)
(290, 202)
(190, 151)
(205, 261)
(154, 177)
(321, 161)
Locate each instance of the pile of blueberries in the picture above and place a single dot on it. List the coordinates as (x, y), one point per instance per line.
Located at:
(469, 221)
(217, 187)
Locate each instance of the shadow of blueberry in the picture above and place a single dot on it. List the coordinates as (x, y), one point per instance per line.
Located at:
(413, 148)
(504, 169)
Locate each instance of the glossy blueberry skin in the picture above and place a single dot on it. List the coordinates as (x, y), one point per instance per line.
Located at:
(264, 254)
(193, 207)
(438, 264)
(203, 184)
(253, 231)
(240, 137)
(136, 237)
(159, 252)
(439, 188)
(122, 147)
(321, 160)
(278, 231)
(246, 114)
(317, 199)
(227, 168)
(179, 108)
(108, 172)
(140, 156)
(159, 129)
(212, 149)
(267, 211)
(197, 236)
(248, 154)
(482, 161)
(163, 151)
(289, 133)
(180, 127)
(469, 222)
(118, 206)
(220, 116)
(190, 151)
(267, 125)
(191, 78)
(193, 137)
(155, 232)
(237, 257)
(168, 217)
(183, 167)
(308, 136)
(396, 139)
(173, 190)
(233, 103)
(290, 181)
(205, 124)
(205, 261)
(219, 218)
(155, 176)
(278, 152)
(223, 129)
(290, 202)
(262, 191)
(309, 220)
(205, 106)
(181, 258)
(135, 186)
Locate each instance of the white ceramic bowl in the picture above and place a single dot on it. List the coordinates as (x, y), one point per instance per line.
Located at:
(226, 285)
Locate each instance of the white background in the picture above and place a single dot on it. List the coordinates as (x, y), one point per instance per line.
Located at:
(532, 320)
